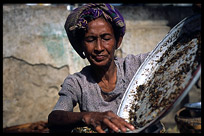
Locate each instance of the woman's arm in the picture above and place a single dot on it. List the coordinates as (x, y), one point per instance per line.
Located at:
(63, 121)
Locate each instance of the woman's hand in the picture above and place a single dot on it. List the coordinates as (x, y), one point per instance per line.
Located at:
(102, 120)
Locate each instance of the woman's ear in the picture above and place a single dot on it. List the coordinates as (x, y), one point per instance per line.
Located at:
(83, 49)
(119, 42)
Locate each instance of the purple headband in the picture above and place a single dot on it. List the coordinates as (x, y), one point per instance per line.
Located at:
(80, 17)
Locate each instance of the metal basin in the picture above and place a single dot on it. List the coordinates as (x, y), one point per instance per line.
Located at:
(165, 77)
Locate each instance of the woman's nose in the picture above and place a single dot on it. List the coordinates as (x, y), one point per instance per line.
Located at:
(99, 45)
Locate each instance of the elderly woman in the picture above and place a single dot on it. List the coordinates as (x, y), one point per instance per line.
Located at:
(95, 31)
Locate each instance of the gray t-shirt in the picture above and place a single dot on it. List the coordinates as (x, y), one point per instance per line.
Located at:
(83, 89)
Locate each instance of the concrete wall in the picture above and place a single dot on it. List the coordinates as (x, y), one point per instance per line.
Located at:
(37, 55)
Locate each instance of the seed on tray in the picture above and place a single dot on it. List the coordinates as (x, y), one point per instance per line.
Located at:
(165, 85)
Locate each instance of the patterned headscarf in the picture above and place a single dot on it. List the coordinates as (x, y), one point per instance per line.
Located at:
(79, 18)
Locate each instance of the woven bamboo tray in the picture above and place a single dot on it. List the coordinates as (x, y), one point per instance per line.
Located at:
(37, 127)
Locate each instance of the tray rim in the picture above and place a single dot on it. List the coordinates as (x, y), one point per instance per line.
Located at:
(189, 85)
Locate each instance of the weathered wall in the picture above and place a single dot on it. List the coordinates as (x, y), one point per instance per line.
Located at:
(36, 34)
(37, 55)
(29, 90)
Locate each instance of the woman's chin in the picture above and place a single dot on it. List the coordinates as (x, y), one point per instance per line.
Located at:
(99, 63)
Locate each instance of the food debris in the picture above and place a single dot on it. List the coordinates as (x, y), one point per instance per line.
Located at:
(168, 81)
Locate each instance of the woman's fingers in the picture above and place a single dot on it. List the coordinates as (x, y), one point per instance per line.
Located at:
(128, 125)
(117, 124)
(110, 124)
(101, 121)
(99, 129)
(120, 124)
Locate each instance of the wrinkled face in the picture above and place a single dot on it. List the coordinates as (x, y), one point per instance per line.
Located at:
(99, 43)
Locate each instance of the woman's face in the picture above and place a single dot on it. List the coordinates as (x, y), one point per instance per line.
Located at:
(99, 43)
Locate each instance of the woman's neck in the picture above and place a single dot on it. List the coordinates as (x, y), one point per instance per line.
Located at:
(106, 77)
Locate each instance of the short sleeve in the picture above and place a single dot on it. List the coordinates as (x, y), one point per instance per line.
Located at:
(143, 57)
(68, 95)
(132, 63)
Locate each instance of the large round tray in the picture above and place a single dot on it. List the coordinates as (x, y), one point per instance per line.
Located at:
(165, 77)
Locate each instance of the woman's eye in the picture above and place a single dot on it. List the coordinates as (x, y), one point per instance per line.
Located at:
(89, 39)
(106, 37)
